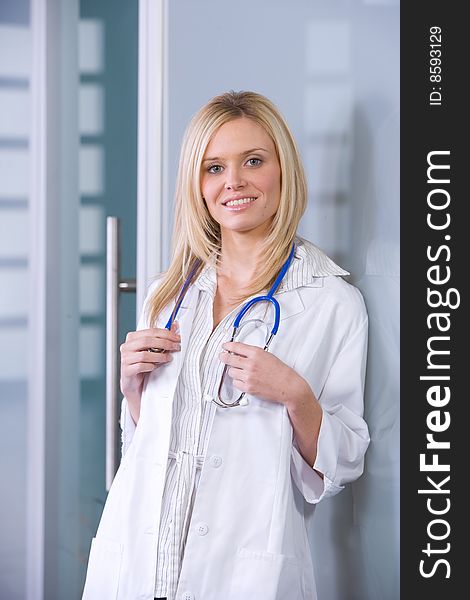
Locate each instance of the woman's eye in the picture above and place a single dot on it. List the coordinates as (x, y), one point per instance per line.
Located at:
(254, 162)
(214, 169)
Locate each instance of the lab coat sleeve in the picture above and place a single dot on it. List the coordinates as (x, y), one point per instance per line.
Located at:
(127, 423)
(344, 435)
(127, 426)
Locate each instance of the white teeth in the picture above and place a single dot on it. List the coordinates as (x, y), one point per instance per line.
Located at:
(240, 201)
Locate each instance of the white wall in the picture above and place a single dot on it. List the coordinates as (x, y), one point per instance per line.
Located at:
(333, 70)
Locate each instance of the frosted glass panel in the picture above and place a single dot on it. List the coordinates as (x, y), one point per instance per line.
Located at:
(14, 113)
(92, 227)
(91, 109)
(91, 351)
(14, 166)
(91, 46)
(15, 48)
(92, 290)
(14, 296)
(13, 365)
(15, 51)
(91, 170)
(13, 232)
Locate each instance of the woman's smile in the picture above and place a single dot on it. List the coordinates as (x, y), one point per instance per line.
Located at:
(238, 204)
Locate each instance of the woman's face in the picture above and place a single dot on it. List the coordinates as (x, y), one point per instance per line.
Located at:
(241, 177)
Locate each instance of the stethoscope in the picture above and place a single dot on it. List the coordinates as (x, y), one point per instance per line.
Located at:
(269, 297)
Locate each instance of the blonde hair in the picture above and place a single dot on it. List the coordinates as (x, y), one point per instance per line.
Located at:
(196, 235)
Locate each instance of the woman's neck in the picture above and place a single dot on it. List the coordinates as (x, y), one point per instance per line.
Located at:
(240, 258)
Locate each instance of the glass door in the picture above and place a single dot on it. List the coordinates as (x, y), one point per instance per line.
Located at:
(15, 74)
(68, 160)
(108, 67)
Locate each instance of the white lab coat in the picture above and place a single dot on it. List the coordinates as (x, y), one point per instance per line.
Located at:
(247, 537)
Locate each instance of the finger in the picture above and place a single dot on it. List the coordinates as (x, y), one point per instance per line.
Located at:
(160, 330)
(240, 348)
(168, 334)
(154, 332)
(233, 360)
(151, 341)
(149, 356)
(146, 357)
(236, 374)
(161, 345)
(137, 368)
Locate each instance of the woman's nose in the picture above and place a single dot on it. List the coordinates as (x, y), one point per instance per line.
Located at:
(234, 179)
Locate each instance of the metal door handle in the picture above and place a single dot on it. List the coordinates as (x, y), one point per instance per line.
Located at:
(114, 286)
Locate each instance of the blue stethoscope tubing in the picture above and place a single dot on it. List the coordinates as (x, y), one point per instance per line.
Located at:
(269, 297)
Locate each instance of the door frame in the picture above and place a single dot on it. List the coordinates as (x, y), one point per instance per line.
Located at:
(52, 459)
(152, 142)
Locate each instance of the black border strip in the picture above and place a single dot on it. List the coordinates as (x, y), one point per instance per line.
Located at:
(431, 567)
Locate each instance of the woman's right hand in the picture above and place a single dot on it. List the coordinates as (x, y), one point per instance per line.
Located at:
(136, 360)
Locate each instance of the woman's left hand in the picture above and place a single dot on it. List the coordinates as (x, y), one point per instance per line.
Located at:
(262, 374)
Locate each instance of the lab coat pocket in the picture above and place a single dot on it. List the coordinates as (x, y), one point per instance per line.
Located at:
(104, 566)
(266, 576)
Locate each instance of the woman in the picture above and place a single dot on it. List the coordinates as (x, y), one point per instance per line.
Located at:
(223, 441)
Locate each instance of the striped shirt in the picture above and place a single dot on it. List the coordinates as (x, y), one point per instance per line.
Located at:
(193, 409)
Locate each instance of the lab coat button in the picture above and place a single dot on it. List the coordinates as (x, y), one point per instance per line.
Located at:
(187, 596)
(202, 529)
(215, 461)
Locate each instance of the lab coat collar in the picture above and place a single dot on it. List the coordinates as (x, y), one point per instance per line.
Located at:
(309, 266)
